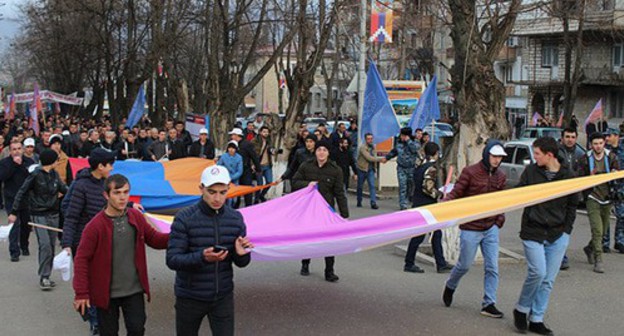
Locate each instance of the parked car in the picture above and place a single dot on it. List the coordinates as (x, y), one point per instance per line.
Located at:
(442, 130)
(520, 155)
(313, 122)
(538, 132)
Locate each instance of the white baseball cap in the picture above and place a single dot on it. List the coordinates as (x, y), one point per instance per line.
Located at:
(203, 131)
(237, 131)
(215, 174)
(498, 150)
(29, 142)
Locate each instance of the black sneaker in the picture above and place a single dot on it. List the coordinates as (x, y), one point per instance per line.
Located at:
(45, 284)
(413, 269)
(445, 269)
(359, 204)
(447, 296)
(305, 270)
(374, 206)
(619, 247)
(589, 252)
(25, 252)
(540, 328)
(520, 321)
(491, 311)
(565, 264)
(331, 277)
(14, 259)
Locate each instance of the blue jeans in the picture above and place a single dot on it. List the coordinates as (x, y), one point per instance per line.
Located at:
(267, 177)
(370, 177)
(619, 226)
(469, 241)
(543, 261)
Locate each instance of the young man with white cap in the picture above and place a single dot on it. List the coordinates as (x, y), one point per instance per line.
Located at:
(480, 178)
(29, 150)
(203, 147)
(251, 161)
(205, 240)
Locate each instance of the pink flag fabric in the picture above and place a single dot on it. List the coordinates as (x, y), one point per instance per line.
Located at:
(35, 110)
(560, 122)
(596, 114)
(535, 119)
(302, 225)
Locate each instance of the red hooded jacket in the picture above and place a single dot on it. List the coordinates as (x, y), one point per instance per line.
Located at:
(93, 261)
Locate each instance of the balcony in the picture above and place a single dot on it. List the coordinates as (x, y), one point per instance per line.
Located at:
(603, 76)
(507, 54)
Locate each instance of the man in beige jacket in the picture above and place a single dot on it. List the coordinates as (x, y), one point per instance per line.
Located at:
(366, 163)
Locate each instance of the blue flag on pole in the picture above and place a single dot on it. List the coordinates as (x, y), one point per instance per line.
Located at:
(138, 109)
(378, 117)
(428, 107)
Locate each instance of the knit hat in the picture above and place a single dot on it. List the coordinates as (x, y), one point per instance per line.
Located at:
(48, 157)
(100, 155)
(322, 143)
(311, 137)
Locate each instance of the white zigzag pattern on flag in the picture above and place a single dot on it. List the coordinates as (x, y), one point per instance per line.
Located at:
(380, 31)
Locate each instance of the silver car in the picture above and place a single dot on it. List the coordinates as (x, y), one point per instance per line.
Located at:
(520, 155)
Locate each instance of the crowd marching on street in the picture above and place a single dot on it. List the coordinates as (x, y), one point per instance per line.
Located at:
(106, 234)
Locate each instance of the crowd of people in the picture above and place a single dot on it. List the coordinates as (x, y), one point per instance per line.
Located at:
(106, 234)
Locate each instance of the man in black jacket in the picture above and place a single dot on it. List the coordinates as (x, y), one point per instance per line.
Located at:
(178, 148)
(203, 147)
(327, 176)
(13, 173)
(343, 156)
(545, 233)
(251, 162)
(205, 240)
(41, 190)
(302, 155)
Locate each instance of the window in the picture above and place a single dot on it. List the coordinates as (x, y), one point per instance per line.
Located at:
(617, 55)
(510, 151)
(550, 55)
(318, 100)
(522, 154)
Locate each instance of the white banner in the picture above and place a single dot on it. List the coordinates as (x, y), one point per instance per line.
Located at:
(49, 97)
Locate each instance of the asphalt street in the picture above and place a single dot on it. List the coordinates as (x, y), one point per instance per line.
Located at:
(374, 295)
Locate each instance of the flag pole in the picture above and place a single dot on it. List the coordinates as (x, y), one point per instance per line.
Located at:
(361, 68)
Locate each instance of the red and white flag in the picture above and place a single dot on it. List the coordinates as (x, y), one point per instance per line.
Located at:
(596, 114)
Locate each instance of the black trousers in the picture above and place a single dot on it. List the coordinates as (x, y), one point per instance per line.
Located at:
(329, 263)
(247, 180)
(436, 244)
(190, 313)
(133, 308)
(20, 232)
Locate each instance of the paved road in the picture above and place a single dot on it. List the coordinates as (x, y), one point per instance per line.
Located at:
(373, 296)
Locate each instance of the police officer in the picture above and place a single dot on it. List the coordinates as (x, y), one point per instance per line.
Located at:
(407, 152)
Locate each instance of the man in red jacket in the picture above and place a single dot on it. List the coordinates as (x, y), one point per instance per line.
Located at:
(480, 178)
(110, 264)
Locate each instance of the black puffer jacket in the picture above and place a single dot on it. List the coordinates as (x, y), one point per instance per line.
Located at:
(547, 220)
(86, 199)
(13, 176)
(194, 229)
(41, 191)
(330, 183)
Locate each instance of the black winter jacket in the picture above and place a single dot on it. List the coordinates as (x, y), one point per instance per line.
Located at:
(250, 157)
(194, 229)
(41, 191)
(13, 176)
(330, 183)
(547, 220)
(209, 150)
(302, 155)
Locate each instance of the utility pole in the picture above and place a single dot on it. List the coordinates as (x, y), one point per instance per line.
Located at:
(361, 67)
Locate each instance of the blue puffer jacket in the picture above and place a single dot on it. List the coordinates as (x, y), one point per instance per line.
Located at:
(85, 200)
(194, 229)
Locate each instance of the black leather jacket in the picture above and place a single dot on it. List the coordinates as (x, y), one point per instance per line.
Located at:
(41, 190)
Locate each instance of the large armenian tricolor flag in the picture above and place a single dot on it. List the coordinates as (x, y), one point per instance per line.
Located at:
(167, 185)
